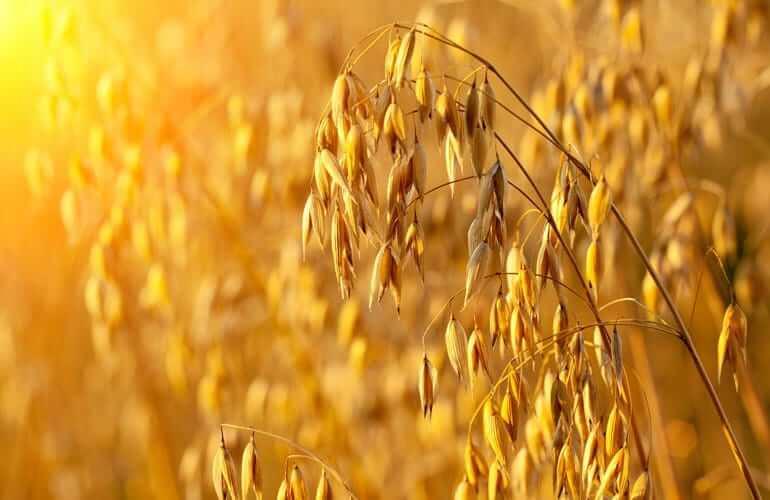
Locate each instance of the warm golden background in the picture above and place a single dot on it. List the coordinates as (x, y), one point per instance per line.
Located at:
(154, 161)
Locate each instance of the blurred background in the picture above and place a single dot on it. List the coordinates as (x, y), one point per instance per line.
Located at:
(154, 161)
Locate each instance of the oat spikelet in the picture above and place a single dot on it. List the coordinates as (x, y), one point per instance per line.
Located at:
(334, 171)
(419, 167)
(297, 484)
(463, 490)
(340, 94)
(251, 471)
(474, 463)
(498, 481)
(599, 204)
(593, 266)
(487, 104)
(472, 109)
(403, 58)
(641, 488)
(307, 225)
(391, 57)
(427, 386)
(394, 127)
(475, 270)
(425, 94)
(284, 493)
(479, 148)
(494, 431)
(731, 348)
(456, 342)
(476, 355)
(414, 243)
(323, 490)
(612, 473)
(223, 474)
(442, 114)
(650, 294)
(382, 273)
(509, 412)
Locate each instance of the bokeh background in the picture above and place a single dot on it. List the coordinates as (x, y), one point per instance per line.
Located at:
(154, 161)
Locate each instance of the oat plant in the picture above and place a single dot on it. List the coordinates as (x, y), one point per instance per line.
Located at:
(556, 400)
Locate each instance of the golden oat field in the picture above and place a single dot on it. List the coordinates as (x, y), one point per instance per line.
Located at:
(448, 249)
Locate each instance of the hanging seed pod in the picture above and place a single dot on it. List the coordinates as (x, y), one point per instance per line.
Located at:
(498, 184)
(425, 94)
(527, 284)
(474, 463)
(340, 95)
(509, 412)
(414, 243)
(512, 266)
(456, 345)
(334, 171)
(297, 484)
(476, 352)
(613, 432)
(251, 471)
(382, 273)
(560, 326)
(419, 168)
(593, 266)
(403, 59)
(443, 114)
(497, 483)
(472, 110)
(650, 293)
(611, 473)
(324, 490)
(450, 160)
(599, 204)
(479, 151)
(394, 128)
(641, 488)
(391, 56)
(427, 386)
(475, 270)
(494, 431)
(355, 153)
(474, 235)
(284, 492)
(731, 348)
(499, 316)
(463, 490)
(223, 474)
(450, 115)
(632, 35)
(360, 99)
(307, 224)
(522, 337)
(522, 471)
(321, 180)
(487, 104)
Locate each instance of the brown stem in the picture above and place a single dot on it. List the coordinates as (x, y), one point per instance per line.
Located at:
(727, 428)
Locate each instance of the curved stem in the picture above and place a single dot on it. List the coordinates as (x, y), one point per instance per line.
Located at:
(727, 428)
